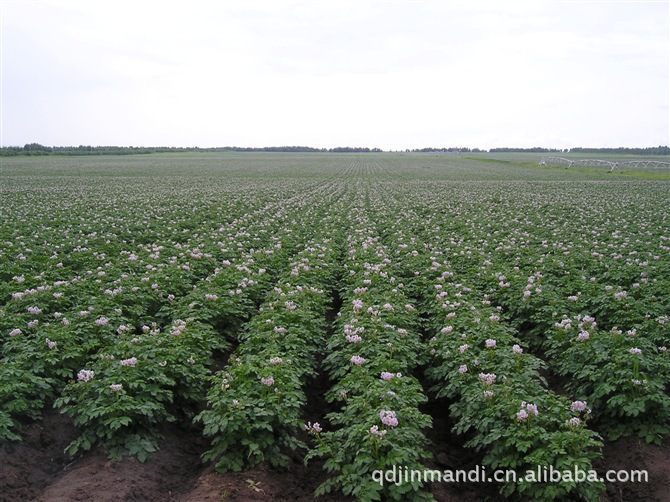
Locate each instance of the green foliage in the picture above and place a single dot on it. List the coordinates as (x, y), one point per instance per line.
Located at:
(124, 398)
(100, 263)
(254, 405)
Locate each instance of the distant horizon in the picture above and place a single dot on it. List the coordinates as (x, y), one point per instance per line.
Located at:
(538, 149)
(483, 149)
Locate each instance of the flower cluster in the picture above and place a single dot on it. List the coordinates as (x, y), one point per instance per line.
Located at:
(357, 360)
(128, 362)
(374, 431)
(488, 378)
(85, 375)
(387, 376)
(526, 411)
(388, 418)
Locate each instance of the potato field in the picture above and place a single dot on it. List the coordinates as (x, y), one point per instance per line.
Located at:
(273, 326)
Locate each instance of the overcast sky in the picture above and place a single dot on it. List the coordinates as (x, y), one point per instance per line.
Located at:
(393, 75)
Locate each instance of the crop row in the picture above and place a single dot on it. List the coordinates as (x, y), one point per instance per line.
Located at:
(370, 359)
(119, 307)
(255, 404)
(60, 333)
(623, 372)
(498, 399)
(552, 260)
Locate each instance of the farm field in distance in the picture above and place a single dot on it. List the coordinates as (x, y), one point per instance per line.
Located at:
(265, 326)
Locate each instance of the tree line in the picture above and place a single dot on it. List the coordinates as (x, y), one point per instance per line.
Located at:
(652, 150)
(38, 149)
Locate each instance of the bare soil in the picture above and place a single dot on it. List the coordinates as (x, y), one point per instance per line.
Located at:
(37, 469)
(632, 453)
